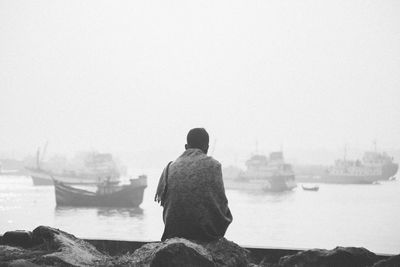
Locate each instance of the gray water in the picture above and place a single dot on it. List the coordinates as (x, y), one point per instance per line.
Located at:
(336, 215)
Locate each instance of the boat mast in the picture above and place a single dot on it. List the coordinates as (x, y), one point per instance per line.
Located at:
(256, 147)
(37, 158)
(44, 151)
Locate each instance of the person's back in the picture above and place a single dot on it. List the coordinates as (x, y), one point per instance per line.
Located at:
(193, 196)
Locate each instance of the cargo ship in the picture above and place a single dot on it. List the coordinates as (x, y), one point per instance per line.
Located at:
(262, 173)
(373, 167)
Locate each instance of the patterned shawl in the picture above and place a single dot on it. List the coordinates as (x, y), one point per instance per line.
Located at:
(193, 197)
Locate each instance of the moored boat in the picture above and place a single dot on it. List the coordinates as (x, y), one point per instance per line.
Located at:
(310, 188)
(108, 194)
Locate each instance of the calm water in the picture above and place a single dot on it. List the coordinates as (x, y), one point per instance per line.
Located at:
(337, 215)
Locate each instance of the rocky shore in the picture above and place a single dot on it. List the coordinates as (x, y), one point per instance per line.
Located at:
(46, 246)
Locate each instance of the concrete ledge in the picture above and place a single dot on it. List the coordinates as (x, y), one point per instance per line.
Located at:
(257, 254)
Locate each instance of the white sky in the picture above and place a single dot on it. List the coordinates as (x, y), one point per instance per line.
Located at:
(137, 75)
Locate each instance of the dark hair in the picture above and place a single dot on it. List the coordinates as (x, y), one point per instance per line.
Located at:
(197, 138)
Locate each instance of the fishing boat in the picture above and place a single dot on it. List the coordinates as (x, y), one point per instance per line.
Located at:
(268, 174)
(108, 194)
(310, 188)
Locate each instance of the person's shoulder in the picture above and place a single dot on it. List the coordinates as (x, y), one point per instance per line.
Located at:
(212, 162)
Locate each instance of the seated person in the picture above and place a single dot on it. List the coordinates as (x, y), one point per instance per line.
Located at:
(192, 193)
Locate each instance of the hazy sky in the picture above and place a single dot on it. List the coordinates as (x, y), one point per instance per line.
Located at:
(137, 75)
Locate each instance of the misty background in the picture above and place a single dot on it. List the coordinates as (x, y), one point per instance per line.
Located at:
(132, 77)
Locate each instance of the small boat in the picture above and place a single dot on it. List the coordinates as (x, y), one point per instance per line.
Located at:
(311, 188)
(108, 194)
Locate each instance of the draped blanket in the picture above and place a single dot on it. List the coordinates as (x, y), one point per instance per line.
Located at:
(193, 197)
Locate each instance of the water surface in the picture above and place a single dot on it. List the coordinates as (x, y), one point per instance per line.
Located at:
(336, 215)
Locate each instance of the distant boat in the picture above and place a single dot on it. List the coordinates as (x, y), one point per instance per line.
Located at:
(268, 174)
(310, 188)
(108, 194)
(94, 168)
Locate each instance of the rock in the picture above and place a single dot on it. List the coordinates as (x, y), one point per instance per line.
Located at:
(390, 262)
(66, 248)
(227, 253)
(265, 263)
(182, 252)
(22, 263)
(8, 253)
(172, 252)
(338, 257)
(17, 238)
(52, 247)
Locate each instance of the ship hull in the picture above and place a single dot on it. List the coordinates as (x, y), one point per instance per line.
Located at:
(39, 180)
(340, 179)
(349, 179)
(389, 170)
(268, 184)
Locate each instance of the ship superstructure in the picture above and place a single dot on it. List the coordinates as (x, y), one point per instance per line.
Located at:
(268, 174)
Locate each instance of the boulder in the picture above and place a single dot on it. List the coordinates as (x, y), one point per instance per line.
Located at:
(17, 238)
(182, 252)
(338, 257)
(52, 247)
(21, 263)
(390, 262)
(227, 253)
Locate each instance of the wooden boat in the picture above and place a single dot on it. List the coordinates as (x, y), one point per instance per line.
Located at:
(311, 188)
(108, 194)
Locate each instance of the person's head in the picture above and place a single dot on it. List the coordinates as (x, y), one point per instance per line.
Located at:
(197, 138)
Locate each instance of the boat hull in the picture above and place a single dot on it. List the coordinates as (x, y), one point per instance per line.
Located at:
(38, 180)
(389, 170)
(340, 179)
(314, 188)
(128, 196)
(267, 184)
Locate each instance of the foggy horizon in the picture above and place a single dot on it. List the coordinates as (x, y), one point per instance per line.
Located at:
(133, 77)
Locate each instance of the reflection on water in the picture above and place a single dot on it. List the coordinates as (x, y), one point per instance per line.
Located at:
(133, 212)
(101, 211)
(258, 196)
